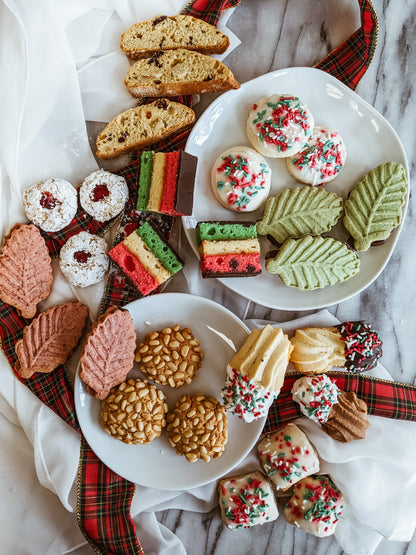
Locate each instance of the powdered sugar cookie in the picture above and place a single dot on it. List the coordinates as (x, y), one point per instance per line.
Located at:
(240, 179)
(321, 159)
(50, 204)
(83, 259)
(103, 195)
(279, 125)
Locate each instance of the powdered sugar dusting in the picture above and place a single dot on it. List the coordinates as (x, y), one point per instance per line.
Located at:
(84, 259)
(51, 204)
(103, 195)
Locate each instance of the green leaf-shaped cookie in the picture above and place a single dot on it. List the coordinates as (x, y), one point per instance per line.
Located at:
(313, 262)
(300, 211)
(375, 205)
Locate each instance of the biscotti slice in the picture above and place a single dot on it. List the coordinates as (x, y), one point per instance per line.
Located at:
(142, 126)
(146, 259)
(228, 249)
(171, 32)
(166, 182)
(176, 72)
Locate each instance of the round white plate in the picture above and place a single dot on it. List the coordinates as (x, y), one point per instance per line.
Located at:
(157, 465)
(369, 138)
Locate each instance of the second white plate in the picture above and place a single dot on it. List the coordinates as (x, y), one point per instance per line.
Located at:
(157, 465)
(370, 140)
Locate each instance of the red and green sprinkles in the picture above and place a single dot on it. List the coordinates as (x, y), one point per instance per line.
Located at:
(245, 183)
(244, 506)
(244, 398)
(285, 459)
(318, 500)
(363, 346)
(287, 114)
(321, 155)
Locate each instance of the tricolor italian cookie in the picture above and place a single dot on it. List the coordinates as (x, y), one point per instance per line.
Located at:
(166, 182)
(146, 259)
(316, 395)
(103, 195)
(246, 501)
(287, 456)
(228, 249)
(240, 179)
(279, 125)
(51, 204)
(315, 506)
(354, 346)
(321, 159)
(255, 374)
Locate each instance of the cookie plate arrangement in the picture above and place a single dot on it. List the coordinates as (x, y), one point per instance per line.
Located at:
(369, 139)
(220, 334)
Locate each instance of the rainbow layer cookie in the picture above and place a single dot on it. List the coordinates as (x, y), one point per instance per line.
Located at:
(166, 182)
(228, 249)
(146, 259)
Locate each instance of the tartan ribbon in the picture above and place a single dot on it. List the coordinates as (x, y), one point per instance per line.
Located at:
(104, 498)
(383, 398)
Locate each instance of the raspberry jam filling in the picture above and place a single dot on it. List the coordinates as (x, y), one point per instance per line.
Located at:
(99, 192)
(48, 201)
(81, 256)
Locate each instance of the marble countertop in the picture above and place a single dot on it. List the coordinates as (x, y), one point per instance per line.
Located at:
(295, 33)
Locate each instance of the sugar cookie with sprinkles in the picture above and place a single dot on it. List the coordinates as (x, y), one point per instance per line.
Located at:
(315, 506)
(103, 195)
(354, 346)
(287, 456)
(240, 179)
(246, 500)
(228, 249)
(146, 259)
(255, 374)
(315, 395)
(83, 259)
(321, 159)
(51, 204)
(279, 126)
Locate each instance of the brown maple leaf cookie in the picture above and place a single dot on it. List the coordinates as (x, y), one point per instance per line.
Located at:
(108, 352)
(50, 338)
(25, 269)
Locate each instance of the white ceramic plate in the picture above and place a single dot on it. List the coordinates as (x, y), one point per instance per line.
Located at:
(370, 140)
(157, 465)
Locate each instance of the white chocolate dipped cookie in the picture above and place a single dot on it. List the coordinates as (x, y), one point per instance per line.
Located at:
(321, 159)
(240, 179)
(103, 195)
(279, 125)
(51, 204)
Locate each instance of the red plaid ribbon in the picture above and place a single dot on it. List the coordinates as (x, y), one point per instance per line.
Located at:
(383, 398)
(104, 498)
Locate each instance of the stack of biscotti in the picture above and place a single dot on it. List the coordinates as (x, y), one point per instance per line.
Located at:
(174, 57)
(174, 60)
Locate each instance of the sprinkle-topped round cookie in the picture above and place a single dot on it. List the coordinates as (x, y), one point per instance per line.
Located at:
(279, 126)
(103, 195)
(321, 159)
(83, 259)
(315, 506)
(240, 179)
(316, 395)
(363, 346)
(51, 204)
